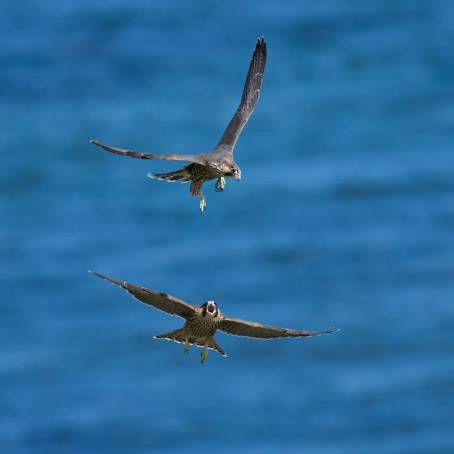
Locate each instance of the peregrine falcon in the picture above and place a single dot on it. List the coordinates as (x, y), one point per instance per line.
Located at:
(218, 163)
(203, 321)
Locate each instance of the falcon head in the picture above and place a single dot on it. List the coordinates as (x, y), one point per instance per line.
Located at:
(233, 171)
(210, 308)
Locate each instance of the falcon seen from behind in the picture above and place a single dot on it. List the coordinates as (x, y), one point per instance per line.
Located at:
(218, 163)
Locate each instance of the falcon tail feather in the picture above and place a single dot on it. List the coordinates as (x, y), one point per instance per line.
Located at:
(177, 335)
(181, 174)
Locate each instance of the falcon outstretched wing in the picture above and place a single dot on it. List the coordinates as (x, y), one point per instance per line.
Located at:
(140, 155)
(162, 301)
(239, 327)
(249, 98)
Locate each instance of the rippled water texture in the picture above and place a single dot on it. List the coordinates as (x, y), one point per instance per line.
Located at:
(344, 216)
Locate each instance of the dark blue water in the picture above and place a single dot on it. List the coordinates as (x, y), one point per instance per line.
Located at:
(344, 217)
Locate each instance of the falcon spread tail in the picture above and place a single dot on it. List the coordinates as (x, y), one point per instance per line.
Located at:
(183, 174)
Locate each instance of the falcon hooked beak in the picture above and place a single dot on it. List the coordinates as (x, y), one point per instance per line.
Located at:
(235, 173)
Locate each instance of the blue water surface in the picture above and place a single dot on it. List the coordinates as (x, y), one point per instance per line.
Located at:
(344, 216)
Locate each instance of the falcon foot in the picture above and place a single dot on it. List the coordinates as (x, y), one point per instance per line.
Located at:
(202, 204)
(220, 184)
(204, 354)
(186, 345)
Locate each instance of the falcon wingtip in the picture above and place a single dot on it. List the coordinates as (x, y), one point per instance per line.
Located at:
(97, 274)
(332, 330)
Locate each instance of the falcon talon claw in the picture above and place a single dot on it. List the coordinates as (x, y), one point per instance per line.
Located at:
(220, 184)
(204, 355)
(202, 205)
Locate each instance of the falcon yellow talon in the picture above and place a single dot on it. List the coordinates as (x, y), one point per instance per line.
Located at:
(202, 205)
(186, 346)
(204, 355)
(220, 184)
